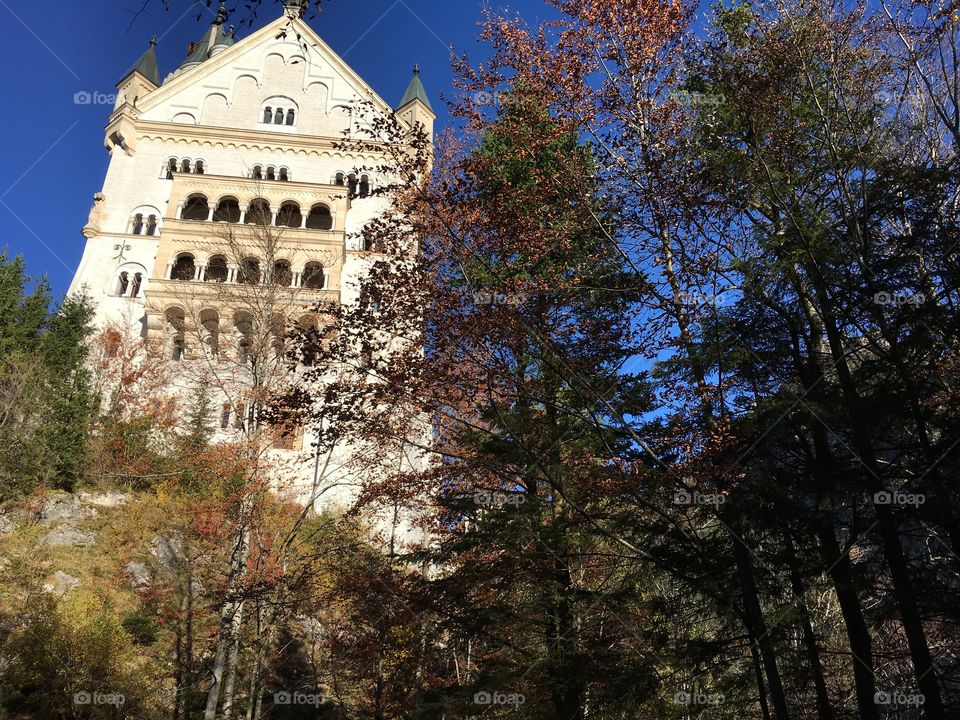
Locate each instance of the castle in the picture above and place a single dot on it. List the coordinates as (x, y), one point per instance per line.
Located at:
(229, 177)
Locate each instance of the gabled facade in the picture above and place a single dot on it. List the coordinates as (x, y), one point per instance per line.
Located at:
(244, 132)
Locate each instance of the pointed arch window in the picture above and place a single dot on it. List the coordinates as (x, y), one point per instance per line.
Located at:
(199, 167)
(137, 285)
(185, 166)
(271, 173)
(171, 168)
(284, 175)
(364, 186)
(152, 225)
(268, 114)
(291, 116)
(123, 284)
(257, 172)
(137, 224)
(340, 180)
(352, 185)
(278, 117)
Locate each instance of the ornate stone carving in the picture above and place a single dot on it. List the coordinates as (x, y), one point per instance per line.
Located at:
(92, 228)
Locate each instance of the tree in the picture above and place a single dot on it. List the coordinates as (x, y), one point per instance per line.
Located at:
(46, 405)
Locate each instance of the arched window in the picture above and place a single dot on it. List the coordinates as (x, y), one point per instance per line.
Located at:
(257, 172)
(271, 173)
(123, 284)
(217, 270)
(268, 114)
(320, 218)
(137, 285)
(291, 116)
(199, 168)
(176, 331)
(185, 166)
(278, 117)
(352, 183)
(243, 324)
(313, 277)
(282, 274)
(210, 321)
(259, 213)
(364, 186)
(249, 273)
(228, 210)
(284, 175)
(289, 216)
(171, 168)
(137, 224)
(195, 208)
(152, 225)
(185, 268)
(340, 179)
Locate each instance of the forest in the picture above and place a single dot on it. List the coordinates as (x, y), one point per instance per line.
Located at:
(676, 365)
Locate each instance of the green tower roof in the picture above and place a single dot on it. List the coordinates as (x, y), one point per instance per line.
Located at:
(416, 91)
(147, 65)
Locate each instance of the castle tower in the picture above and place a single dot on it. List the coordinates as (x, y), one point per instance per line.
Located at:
(242, 133)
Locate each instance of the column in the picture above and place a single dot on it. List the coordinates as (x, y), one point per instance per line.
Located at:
(303, 222)
(231, 273)
(273, 217)
(298, 278)
(201, 272)
(170, 264)
(243, 213)
(179, 210)
(212, 209)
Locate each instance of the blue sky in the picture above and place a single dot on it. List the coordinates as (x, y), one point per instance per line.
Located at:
(53, 154)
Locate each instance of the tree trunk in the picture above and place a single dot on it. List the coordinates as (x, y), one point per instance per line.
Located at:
(231, 614)
(903, 589)
(757, 627)
(758, 671)
(824, 709)
(231, 669)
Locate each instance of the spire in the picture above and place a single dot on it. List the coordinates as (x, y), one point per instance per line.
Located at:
(147, 65)
(416, 91)
(214, 41)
